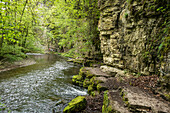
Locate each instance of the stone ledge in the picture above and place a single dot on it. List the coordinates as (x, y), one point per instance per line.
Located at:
(140, 101)
(108, 69)
(121, 97)
(113, 103)
(97, 72)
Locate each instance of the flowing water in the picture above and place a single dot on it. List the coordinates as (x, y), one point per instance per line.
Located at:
(44, 87)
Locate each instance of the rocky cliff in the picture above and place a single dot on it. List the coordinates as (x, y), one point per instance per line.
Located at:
(134, 38)
(128, 31)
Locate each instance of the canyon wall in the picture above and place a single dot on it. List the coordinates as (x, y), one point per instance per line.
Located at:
(126, 27)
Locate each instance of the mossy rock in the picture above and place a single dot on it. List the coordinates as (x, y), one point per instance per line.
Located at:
(70, 60)
(83, 72)
(80, 83)
(101, 87)
(77, 79)
(94, 93)
(96, 80)
(89, 75)
(86, 83)
(90, 89)
(89, 63)
(93, 83)
(78, 62)
(77, 104)
(107, 105)
(125, 100)
(92, 80)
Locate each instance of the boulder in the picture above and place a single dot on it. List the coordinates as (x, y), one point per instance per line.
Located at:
(77, 104)
(112, 70)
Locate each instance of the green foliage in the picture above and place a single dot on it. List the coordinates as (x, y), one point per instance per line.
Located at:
(17, 33)
(66, 26)
(12, 53)
(105, 103)
(73, 25)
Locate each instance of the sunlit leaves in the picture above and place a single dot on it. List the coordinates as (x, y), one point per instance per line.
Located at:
(69, 23)
(17, 25)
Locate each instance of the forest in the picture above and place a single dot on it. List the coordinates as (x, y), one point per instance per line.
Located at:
(68, 26)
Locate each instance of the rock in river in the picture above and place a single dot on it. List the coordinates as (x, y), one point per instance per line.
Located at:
(77, 104)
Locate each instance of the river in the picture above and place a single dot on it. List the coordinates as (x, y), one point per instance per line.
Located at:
(44, 87)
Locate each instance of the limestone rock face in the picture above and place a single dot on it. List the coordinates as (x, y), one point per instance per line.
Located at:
(124, 31)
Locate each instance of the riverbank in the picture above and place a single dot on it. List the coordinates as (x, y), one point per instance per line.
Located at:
(44, 87)
(6, 66)
(113, 90)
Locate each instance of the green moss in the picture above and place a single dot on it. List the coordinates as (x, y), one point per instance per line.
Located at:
(81, 84)
(125, 100)
(77, 79)
(105, 103)
(89, 75)
(107, 106)
(77, 104)
(73, 81)
(92, 82)
(82, 72)
(93, 93)
(103, 109)
(86, 83)
(90, 89)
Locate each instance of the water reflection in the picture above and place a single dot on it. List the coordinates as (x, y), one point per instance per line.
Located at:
(38, 88)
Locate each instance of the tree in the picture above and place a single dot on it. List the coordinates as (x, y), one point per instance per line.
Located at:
(18, 21)
(73, 24)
